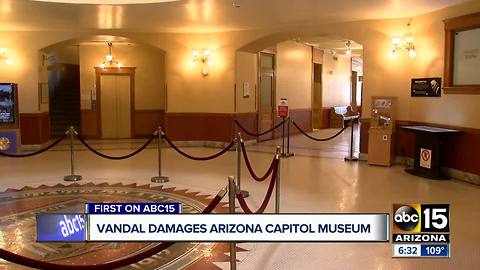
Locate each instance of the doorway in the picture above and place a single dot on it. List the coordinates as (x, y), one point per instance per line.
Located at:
(317, 97)
(63, 83)
(115, 93)
(266, 99)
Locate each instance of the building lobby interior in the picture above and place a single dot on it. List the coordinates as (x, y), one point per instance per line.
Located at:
(117, 95)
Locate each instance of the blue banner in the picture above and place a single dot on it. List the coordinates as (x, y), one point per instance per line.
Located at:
(134, 208)
(435, 250)
(61, 227)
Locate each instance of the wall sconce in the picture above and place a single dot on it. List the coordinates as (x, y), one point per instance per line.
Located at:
(4, 57)
(203, 58)
(398, 46)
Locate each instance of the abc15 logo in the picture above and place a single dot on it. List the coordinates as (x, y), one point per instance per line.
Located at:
(416, 218)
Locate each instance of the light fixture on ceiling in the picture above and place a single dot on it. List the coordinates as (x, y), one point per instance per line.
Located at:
(236, 3)
(109, 59)
(4, 57)
(403, 44)
(203, 58)
(348, 43)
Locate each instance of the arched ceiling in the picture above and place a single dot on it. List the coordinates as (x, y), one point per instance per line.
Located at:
(107, 2)
(201, 16)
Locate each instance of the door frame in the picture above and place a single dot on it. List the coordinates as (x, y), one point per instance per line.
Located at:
(123, 71)
(313, 92)
(267, 71)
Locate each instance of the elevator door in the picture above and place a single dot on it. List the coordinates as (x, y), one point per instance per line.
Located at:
(115, 106)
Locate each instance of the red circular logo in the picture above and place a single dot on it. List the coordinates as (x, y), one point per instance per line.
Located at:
(425, 155)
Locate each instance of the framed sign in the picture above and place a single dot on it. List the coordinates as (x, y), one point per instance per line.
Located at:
(426, 87)
(8, 105)
(43, 93)
(462, 55)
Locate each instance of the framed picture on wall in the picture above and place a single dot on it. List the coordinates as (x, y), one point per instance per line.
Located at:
(462, 55)
(43, 93)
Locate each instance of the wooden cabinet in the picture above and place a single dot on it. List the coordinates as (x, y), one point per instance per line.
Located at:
(380, 147)
(381, 132)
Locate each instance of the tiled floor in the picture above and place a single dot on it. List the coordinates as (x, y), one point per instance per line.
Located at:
(317, 179)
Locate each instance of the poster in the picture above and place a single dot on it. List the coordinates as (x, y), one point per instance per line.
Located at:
(7, 104)
(426, 87)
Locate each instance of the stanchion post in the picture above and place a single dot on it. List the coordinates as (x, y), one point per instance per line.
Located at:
(283, 137)
(239, 165)
(277, 183)
(72, 177)
(160, 178)
(288, 153)
(231, 210)
(351, 156)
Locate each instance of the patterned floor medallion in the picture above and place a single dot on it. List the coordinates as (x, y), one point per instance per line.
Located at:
(17, 226)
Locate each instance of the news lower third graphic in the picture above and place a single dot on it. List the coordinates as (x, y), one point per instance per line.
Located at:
(418, 230)
(136, 222)
(421, 230)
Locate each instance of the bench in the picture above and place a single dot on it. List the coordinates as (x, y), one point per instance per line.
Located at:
(339, 115)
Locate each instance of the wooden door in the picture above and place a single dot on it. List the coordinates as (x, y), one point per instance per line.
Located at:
(317, 96)
(266, 107)
(266, 97)
(115, 106)
(354, 91)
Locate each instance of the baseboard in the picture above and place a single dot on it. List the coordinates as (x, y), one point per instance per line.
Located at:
(30, 147)
(210, 144)
(453, 173)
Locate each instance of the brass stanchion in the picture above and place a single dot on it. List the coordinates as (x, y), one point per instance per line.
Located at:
(288, 153)
(160, 178)
(351, 157)
(231, 210)
(72, 177)
(239, 164)
(277, 183)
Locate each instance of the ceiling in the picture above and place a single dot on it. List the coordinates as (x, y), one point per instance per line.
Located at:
(201, 16)
(336, 44)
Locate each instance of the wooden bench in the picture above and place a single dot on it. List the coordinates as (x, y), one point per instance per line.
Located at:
(341, 114)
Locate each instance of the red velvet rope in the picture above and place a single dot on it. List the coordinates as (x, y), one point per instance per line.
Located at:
(259, 134)
(198, 158)
(18, 259)
(243, 203)
(34, 153)
(317, 139)
(80, 138)
(250, 169)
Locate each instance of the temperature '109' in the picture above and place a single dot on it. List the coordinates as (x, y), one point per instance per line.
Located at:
(435, 250)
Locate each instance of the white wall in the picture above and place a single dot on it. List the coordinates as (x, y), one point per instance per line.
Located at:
(246, 71)
(294, 74)
(336, 76)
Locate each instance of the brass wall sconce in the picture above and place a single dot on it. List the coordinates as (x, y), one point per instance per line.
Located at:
(203, 58)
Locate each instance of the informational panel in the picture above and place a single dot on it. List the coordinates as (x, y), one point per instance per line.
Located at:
(426, 87)
(8, 105)
(283, 108)
(466, 57)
